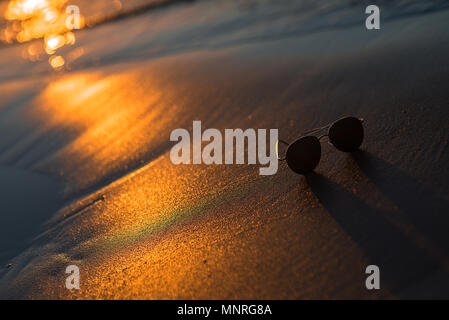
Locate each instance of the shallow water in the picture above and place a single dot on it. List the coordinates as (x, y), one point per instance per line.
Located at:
(157, 28)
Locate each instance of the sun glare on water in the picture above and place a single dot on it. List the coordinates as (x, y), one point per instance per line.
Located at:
(35, 19)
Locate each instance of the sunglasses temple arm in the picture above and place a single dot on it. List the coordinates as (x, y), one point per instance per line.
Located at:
(324, 127)
(286, 143)
(277, 149)
(316, 129)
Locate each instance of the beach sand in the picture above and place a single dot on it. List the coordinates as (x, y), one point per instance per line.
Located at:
(96, 142)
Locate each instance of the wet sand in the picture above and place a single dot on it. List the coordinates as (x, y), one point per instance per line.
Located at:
(140, 227)
(27, 200)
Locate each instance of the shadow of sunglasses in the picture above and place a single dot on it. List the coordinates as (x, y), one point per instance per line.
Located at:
(303, 155)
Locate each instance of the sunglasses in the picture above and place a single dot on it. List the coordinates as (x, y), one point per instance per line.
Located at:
(304, 154)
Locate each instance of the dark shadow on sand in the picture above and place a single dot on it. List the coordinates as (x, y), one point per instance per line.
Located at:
(424, 209)
(401, 260)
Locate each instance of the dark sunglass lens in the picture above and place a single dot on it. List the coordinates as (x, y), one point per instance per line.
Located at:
(304, 154)
(346, 134)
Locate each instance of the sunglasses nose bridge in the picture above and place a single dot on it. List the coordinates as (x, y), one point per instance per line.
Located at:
(323, 136)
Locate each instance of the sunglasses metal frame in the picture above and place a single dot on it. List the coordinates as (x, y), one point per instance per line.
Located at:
(328, 126)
